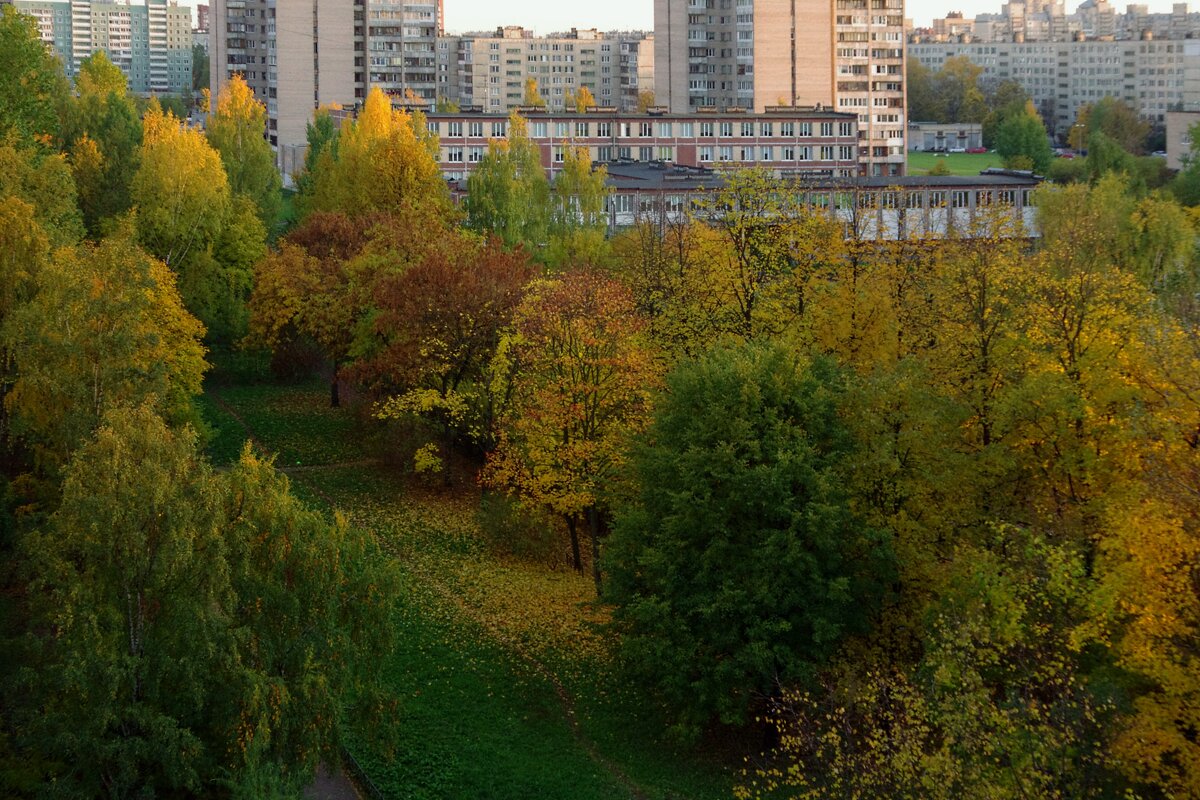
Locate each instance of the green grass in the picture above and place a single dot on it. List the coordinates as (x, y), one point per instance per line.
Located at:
(958, 163)
(479, 635)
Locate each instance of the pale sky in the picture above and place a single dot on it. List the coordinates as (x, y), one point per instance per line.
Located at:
(545, 16)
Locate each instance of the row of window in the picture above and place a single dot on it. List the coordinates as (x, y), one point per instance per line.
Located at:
(645, 130)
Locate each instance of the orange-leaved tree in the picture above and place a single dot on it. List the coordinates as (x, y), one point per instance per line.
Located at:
(581, 382)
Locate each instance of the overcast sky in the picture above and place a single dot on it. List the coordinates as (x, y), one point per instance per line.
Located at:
(545, 16)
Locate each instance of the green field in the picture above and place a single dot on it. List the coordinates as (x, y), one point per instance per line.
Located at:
(506, 688)
(959, 163)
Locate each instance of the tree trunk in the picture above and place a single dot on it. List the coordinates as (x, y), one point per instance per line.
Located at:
(594, 525)
(335, 399)
(576, 559)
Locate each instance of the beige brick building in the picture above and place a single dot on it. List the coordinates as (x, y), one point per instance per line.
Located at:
(755, 54)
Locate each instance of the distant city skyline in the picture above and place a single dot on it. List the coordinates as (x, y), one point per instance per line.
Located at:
(543, 17)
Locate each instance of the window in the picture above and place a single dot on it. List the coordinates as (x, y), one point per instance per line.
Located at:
(748, 129)
(845, 129)
(804, 129)
(558, 154)
(768, 154)
(581, 129)
(498, 130)
(726, 154)
(538, 130)
(454, 155)
(687, 130)
(826, 153)
(666, 153)
(664, 129)
(767, 129)
(646, 130)
(745, 154)
(562, 129)
(787, 129)
(604, 129)
(827, 129)
(474, 155)
(454, 129)
(937, 199)
(706, 153)
(727, 129)
(960, 199)
(789, 154)
(706, 129)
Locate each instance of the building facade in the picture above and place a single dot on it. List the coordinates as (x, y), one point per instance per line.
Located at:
(489, 71)
(149, 40)
(846, 54)
(1060, 77)
(817, 143)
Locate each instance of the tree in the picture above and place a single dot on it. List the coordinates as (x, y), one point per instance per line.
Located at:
(445, 105)
(198, 628)
(385, 161)
(958, 85)
(508, 194)
(580, 390)
(1116, 119)
(201, 77)
(645, 101)
(578, 223)
(32, 84)
(582, 100)
(533, 98)
(1007, 99)
(739, 565)
(236, 130)
(44, 181)
(321, 135)
(1023, 136)
(925, 103)
(105, 327)
(436, 330)
(102, 132)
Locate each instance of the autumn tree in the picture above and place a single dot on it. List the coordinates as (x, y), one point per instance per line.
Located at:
(581, 100)
(1116, 119)
(45, 182)
(532, 98)
(436, 328)
(385, 161)
(102, 132)
(580, 389)
(105, 327)
(578, 222)
(508, 194)
(236, 130)
(32, 84)
(739, 564)
(188, 219)
(321, 135)
(645, 101)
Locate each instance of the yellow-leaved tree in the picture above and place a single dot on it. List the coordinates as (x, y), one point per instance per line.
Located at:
(235, 130)
(386, 161)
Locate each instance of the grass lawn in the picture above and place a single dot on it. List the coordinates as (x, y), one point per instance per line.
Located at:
(959, 163)
(506, 687)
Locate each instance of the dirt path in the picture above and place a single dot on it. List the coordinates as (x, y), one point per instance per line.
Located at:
(337, 786)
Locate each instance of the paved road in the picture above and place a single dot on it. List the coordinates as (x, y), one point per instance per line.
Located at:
(327, 786)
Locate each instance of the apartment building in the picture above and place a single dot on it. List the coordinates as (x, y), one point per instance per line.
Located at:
(1060, 77)
(1047, 21)
(817, 143)
(295, 55)
(755, 54)
(149, 40)
(489, 71)
(401, 45)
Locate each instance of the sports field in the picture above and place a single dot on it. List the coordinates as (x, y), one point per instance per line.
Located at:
(959, 163)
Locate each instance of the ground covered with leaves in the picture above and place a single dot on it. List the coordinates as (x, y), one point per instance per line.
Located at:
(504, 677)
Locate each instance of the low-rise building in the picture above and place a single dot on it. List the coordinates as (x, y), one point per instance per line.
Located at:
(943, 137)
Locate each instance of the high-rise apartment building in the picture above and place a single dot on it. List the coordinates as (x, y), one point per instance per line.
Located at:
(847, 55)
(149, 40)
(489, 71)
(202, 17)
(401, 42)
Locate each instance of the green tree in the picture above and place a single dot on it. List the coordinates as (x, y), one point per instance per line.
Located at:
(200, 629)
(1007, 99)
(105, 327)
(32, 84)
(958, 85)
(321, 135)
(1116, 119)
(925, 103)
(739, 565)
(508, 194)
(236, 129)
(45, 182)
(1022, 136)
(578, 223)
(201, 76)
(102, 132)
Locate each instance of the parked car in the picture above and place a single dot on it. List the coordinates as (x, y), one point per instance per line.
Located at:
(976, 150)
(958, 149)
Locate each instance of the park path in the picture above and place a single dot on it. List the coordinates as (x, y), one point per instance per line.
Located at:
(337, 785)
